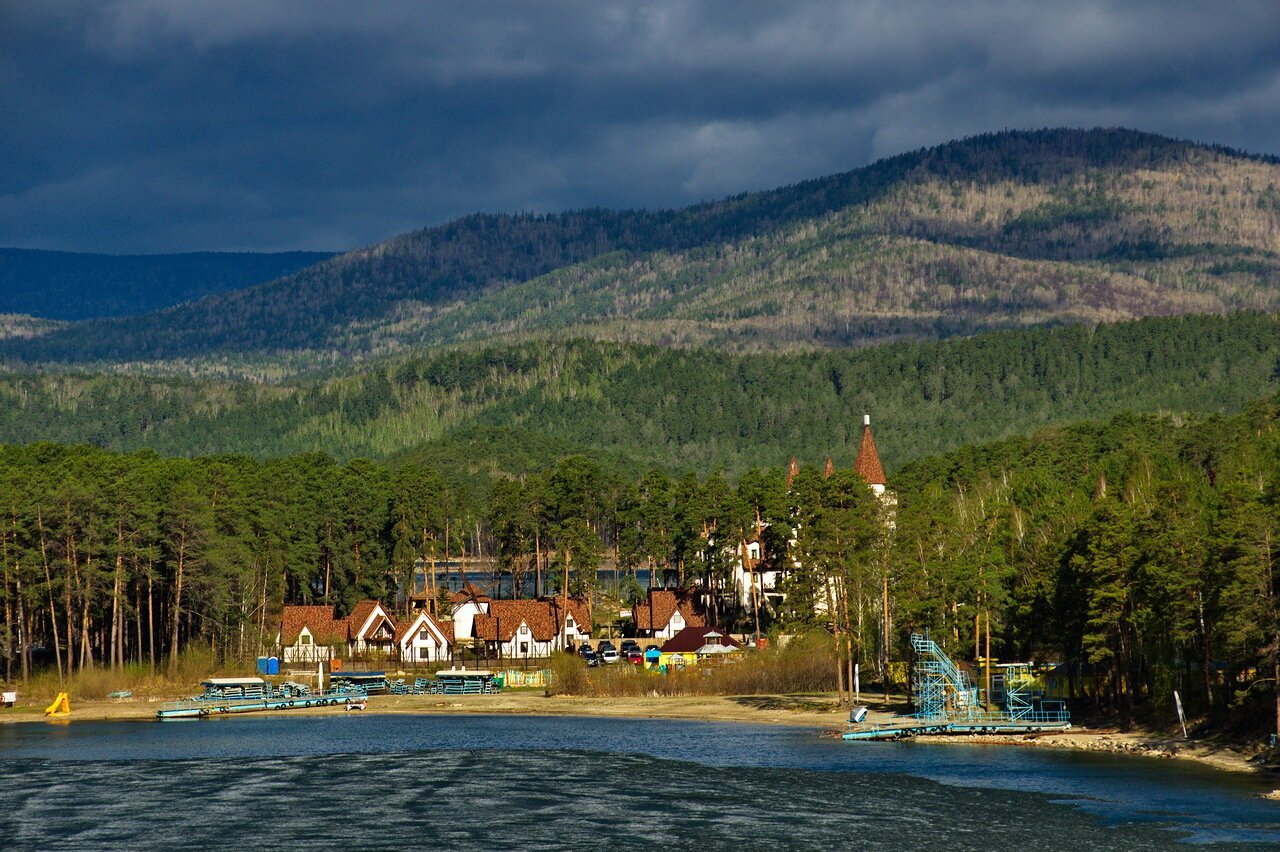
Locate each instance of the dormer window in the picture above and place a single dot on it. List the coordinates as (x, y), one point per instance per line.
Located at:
(304, 638)
(524, 630)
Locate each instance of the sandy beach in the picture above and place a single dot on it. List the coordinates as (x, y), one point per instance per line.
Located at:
(818, 711)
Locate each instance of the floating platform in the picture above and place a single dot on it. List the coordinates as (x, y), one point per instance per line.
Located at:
(203, 709)
(916, 728)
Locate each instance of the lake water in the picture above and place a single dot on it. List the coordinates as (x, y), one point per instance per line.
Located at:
(491, 782)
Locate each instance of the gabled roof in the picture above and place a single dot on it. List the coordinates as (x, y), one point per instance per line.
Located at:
(414, 623)
(661, 604)
(867, 464)
(545, 617)
(692, 638)
(325, 629)
(360, 616)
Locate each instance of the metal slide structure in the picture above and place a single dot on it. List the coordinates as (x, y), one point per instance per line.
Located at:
(947, 702)
(942, 691)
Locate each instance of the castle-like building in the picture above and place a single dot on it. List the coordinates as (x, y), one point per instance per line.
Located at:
(762, 588)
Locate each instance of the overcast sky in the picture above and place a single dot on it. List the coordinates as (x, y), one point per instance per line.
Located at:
(170, 125)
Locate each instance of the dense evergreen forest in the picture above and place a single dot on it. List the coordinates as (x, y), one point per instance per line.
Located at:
(1000, 230)
(1139, 552)
(66, 285)
(474, 411)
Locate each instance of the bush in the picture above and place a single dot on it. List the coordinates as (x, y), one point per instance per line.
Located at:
(805, 664)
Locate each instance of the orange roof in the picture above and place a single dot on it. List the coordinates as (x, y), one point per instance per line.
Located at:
(411, 624)
(325, 629)
(868, 462)
(661, 604)
(360, 615)
(545, 617)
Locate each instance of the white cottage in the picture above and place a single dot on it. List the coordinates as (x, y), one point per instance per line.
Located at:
(421, 639)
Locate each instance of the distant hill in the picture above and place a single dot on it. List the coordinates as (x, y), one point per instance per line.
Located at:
(74, 286)
(510, 408)
(1002, 230)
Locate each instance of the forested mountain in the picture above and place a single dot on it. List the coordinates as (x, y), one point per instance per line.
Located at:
(1005, 229)
(66, 285)
(516, 407)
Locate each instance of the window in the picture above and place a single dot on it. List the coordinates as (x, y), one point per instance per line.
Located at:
(524, 648)
(424, 653)
(524, 630)
(424, 635)
(304, 639)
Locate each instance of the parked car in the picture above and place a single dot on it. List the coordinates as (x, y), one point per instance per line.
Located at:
(585, 648)
(651, 648)
(629, 645)
(609, 655)
(635, 656)
(604, 645)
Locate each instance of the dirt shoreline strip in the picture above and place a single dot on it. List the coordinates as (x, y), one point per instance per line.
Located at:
(812, 711)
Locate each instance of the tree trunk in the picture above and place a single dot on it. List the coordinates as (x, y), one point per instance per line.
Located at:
(835, 629)
(8, 610)
(53, 610)
(117, 628)
(175, 616)
(151, 620)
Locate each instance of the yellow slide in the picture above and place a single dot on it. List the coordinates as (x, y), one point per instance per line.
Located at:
(61, 706)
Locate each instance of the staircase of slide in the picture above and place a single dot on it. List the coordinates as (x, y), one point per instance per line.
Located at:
(942, 690)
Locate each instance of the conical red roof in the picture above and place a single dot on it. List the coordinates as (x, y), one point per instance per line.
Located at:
(868, 463)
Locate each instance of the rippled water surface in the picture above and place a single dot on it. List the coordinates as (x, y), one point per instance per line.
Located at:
(470, 782)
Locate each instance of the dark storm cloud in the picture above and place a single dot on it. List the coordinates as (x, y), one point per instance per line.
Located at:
(152, 125)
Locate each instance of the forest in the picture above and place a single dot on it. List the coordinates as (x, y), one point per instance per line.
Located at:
(1138, 552)
(471, 411)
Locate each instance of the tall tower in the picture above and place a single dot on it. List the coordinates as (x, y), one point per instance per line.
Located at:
(868, 464)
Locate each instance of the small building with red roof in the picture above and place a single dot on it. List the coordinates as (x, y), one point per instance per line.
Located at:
(422, 639)
(665, 612)
(371, 630)
(310, 634)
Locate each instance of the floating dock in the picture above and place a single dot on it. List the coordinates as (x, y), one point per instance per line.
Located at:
(197, 708)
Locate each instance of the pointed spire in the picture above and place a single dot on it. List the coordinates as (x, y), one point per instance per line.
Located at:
(868, 463)
(793, 468)
(828, 468)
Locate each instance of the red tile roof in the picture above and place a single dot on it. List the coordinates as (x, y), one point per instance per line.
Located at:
(545, 617)
(661, 604)
(319, 620)
(360, 615)
(411, 624)
(868, 463)
(692, 638)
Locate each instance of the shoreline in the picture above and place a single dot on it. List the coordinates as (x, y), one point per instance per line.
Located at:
(806, 710)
